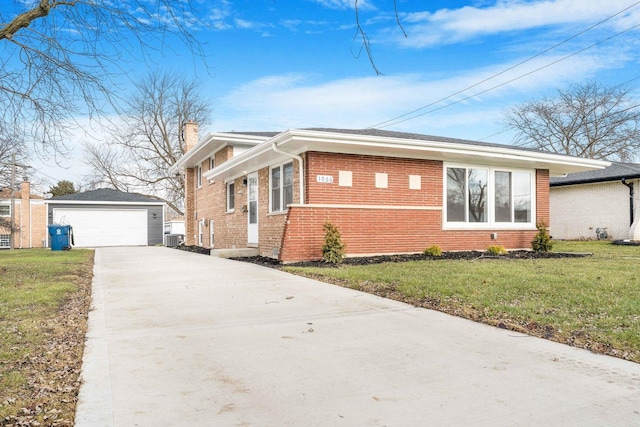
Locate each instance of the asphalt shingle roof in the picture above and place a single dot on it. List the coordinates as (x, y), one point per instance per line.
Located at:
(419, 137)
(615, 172)
(106, 195)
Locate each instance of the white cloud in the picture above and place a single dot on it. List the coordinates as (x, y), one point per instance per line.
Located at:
(447, 26)
(339, 4)
(297, 100)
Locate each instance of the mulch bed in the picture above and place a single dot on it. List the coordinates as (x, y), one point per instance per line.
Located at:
(194, 248)
(462, 255)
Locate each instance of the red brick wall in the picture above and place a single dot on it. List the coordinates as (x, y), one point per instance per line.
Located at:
(230, 227)
(385, 231)
(542, 196)
(298, 234)
(223, 155)
(191, 228)
(379, 230)
(271, 225)
(363, 170)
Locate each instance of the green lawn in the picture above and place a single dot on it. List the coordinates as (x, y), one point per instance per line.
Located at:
(591, 302)
(44, 300)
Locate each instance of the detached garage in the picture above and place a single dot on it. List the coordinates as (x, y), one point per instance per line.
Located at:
(109, 217)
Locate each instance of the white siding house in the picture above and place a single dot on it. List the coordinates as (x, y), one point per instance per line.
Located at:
(597, 204)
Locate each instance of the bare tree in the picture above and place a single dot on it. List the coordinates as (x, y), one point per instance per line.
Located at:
(364, 37)
(141, 151)
(61, 58)
(588, 120)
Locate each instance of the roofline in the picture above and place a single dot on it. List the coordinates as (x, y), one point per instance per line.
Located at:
(438, 146)
(225, 137)
(99, 202)
(440, 149)
(594, 180)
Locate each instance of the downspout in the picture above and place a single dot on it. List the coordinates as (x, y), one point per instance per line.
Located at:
(631, 195)
(275, 148)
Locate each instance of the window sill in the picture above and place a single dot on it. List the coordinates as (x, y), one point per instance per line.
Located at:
(230, 211)
(466, 226)
(278, 213)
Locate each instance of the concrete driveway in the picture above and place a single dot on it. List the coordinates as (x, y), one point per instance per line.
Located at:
(181, 339)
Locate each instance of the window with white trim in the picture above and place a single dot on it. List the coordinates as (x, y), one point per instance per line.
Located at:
(199, 175)
(212, 162)
(200, 231)
(211, 232)
(478, 197)
(5, 210)
(5, 240)
(231, 197)
(281, 185)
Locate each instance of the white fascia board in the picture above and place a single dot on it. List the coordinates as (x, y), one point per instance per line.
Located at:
(255, 158)
(304, 140)
(96, 202)
(297, 141)
(212, 143)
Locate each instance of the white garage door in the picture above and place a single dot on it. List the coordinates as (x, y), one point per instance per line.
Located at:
(105, 227)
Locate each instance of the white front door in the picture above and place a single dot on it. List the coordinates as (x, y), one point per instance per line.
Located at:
(252, 209)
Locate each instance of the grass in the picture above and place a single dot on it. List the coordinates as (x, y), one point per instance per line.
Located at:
(44, 299)
(591, 302)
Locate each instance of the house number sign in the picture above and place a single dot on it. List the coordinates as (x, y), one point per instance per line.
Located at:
(325, 179)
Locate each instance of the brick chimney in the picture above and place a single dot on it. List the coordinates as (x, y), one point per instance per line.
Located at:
(190, 135)
(24, 221)
(25, 189)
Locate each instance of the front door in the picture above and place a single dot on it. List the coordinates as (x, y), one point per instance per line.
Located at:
(252, 209)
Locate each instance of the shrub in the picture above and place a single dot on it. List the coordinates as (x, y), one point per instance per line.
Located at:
(333, 249)
(542, 240)
(434, 250)
(496, 250)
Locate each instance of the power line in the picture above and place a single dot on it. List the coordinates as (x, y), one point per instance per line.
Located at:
(515, 78)
(618, 85)
(396, 120)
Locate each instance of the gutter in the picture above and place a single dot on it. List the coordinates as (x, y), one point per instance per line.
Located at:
(274, 147)
(631, 195)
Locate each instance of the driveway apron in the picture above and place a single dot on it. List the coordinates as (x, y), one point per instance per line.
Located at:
(182, 339)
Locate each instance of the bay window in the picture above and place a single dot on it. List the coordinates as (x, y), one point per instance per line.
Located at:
(479, 197)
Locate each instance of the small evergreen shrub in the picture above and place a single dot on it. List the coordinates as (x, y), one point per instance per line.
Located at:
(434, 250)
(496, 250)
(333, 249)
(542, 240)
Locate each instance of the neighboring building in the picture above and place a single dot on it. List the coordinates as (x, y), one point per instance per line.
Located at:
(174, 226)
(596, 204)
(108, 217)
(387, 192)
(30, 218)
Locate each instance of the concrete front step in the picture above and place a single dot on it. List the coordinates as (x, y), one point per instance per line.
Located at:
(235, 253)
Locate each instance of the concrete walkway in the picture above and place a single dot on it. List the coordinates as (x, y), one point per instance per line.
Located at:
(181, 339)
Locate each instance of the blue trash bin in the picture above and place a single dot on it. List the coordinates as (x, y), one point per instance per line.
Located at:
(60, 237)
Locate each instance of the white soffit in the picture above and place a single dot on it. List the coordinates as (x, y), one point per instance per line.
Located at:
(300, 141)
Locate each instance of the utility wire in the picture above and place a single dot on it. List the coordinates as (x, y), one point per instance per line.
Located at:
(513, 79)
(395, 120)
(617, 86)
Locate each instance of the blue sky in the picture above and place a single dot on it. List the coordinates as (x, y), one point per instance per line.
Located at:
(278, 64)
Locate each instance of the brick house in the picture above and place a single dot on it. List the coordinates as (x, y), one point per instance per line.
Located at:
(598, 204)
(30, 218)
(387, 192)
